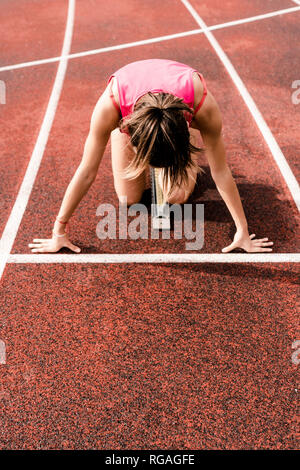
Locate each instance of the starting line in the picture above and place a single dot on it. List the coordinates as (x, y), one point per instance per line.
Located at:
(156, 258)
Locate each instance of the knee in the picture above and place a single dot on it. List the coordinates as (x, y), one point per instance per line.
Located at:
(178, 197)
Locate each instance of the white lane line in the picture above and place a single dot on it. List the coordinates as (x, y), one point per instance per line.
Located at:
(296, 1)
(278, 156)
(158, 258)
(103, 49)
(2, 352)
(151, 40)
(12, 225)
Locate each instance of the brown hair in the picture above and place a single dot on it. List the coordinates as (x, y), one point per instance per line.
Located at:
(158, 129)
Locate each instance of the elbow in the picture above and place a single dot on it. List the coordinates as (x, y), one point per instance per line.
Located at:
(88, 176)
(221, 173)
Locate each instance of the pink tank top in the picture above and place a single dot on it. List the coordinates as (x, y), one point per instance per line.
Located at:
(155, 75)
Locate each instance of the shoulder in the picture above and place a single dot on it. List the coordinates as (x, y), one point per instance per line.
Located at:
(208, 119)
(105, 116)
(114, 90)
(198, 89)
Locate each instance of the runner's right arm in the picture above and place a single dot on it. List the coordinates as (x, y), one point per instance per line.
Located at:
(104, 120)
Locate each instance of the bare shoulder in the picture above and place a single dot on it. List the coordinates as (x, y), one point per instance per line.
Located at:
(114, 89)
(208, 119)
(198, 89)
(105, 116)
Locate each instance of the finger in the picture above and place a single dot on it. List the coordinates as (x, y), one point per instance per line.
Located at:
(229, 247)
(74, 247)
(41, 239)
(260, 250)
(263, 244)
(35, 245)
(261, 239)
(253, 235)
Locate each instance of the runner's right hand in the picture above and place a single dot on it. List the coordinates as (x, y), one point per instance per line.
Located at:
(52, 245)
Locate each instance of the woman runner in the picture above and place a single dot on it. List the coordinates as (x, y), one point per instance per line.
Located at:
(153, 110)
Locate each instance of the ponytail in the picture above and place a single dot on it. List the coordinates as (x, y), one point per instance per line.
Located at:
(159, 132)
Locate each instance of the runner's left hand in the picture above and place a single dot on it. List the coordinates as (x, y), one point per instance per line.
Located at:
(248, 243)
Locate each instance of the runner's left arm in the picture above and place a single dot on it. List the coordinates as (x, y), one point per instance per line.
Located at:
(209, 121)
